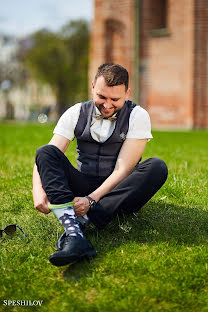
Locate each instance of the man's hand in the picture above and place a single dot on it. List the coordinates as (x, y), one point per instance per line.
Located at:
(81, 206)
(41, 201)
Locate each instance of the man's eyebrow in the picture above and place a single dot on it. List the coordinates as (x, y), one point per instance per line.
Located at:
(100, 95)
(114, 99)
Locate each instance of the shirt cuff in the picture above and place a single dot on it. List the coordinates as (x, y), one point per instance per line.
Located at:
(141, 136)
(64, 134)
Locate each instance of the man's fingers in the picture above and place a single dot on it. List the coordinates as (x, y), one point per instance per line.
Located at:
(80, 213)
(78, 203)
(76, 199)
(46, 211)
(42, 208)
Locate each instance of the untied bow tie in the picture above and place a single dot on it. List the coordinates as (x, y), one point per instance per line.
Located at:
(99, 117)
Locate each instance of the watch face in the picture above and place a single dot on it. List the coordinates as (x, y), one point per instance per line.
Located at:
(92, 203)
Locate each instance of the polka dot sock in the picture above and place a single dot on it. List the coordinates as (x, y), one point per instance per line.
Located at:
(65, 214)
(71, 225)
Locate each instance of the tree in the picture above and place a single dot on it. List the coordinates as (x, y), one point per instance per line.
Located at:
(61, 60)
(12, 75)
(76, 36)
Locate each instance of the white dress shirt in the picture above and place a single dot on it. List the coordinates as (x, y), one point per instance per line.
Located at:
(101, 129)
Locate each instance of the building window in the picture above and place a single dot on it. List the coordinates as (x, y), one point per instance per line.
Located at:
(114, 40)
(158, 13)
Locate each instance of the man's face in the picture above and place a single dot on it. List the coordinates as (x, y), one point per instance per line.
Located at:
(109, 100)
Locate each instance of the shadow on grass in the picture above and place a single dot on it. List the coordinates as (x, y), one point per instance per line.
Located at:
(156, 222)
(79, 270)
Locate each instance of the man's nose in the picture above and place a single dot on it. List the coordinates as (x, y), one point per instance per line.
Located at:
(107, 104)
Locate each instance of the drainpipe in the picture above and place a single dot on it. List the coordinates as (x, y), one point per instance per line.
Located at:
(136, 52)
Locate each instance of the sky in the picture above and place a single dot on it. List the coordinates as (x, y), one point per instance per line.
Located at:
(22, 17)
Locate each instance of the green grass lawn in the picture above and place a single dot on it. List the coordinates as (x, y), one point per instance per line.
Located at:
(156, 260)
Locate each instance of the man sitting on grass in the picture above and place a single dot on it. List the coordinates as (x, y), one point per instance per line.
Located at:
(111, 134)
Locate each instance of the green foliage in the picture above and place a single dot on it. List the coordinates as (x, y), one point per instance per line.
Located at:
(61, 60)
(155, 260)
(48, 58)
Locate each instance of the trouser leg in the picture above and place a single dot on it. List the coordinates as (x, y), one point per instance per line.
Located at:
(60, 180)
(132, 193)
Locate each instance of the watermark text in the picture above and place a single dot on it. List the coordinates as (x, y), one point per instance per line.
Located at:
(23, 303)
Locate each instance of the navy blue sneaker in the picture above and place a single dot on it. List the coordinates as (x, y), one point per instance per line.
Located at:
(74, 249)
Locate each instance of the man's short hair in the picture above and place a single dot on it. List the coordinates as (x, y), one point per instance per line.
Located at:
(114, 75)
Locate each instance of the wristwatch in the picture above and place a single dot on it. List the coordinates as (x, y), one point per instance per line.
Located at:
(92, 202)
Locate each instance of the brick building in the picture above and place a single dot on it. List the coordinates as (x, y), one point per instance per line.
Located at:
(164, 46)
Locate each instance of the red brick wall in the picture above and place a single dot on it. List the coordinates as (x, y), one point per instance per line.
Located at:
(169, 94)
(173, 74)
(201, 64)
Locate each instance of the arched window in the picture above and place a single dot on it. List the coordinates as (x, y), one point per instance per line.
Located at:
(114, 41)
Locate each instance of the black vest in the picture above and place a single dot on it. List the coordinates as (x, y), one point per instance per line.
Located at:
(94, 158)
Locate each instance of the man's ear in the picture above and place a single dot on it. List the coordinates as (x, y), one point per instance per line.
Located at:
(128, 92)
(93, 86)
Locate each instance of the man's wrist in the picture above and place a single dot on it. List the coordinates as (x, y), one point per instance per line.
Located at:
(92, 202)
(95, 196)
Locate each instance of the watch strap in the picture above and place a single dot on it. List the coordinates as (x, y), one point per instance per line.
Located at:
(91, 200)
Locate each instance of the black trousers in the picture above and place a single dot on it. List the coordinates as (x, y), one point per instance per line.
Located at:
(62, 182)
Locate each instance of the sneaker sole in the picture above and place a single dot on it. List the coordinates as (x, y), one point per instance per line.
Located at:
(61, 261)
